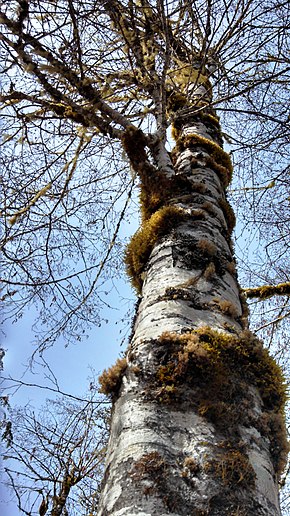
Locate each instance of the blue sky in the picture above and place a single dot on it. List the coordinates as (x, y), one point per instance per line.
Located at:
(71, 365)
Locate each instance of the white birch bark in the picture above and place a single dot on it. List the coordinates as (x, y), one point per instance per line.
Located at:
(159, 452)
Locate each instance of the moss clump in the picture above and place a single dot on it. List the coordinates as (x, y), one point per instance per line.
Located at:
(134, 143)
(191, 465)
(150, 465)
(272, 425)
(219, 160)
(221, 368)
(231, 268)
(210, 118)
(257, 364)
(209, 271)
(245, 310)
(176, 101)
(199, 187)
(210, 208)
(225, 306)
(151, 472)
(207, 247)
(110, 379)
(225, 174)
(142, 243)
(229, 214)
(266, 291)
(203, 114)
(233, 468)
(157, 190)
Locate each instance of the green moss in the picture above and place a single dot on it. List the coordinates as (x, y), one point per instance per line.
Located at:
(258, 365)
(142, 243)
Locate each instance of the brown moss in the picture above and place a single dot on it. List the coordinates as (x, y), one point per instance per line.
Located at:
(228, 213)
(210, 271)
(225, 306)
(198, 187)
(207, 247)
(152, 472)
(142, 243)
(191, 465)
(224, 173)
(110, 379)
(176, 101)
(211, 119)
(157, 190)
(198, 214)
(232, 268)
(233, 468)
(134, 143)
(178, 292)
(210, 208)
(245, 310)
(149, 465)
(213, 410)
(272, 425)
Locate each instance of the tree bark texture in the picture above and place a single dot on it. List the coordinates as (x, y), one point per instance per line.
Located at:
(197, 421)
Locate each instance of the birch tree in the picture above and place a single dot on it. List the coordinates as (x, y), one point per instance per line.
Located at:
(198, 403)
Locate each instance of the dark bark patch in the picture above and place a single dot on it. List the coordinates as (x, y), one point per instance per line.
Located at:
(194, 254)
(151, 472)
(237, 504)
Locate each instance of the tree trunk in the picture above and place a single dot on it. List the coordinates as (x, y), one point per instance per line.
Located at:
(198, 400)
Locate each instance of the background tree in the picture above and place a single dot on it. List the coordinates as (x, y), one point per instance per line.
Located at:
(67, 103)
(54, 459)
